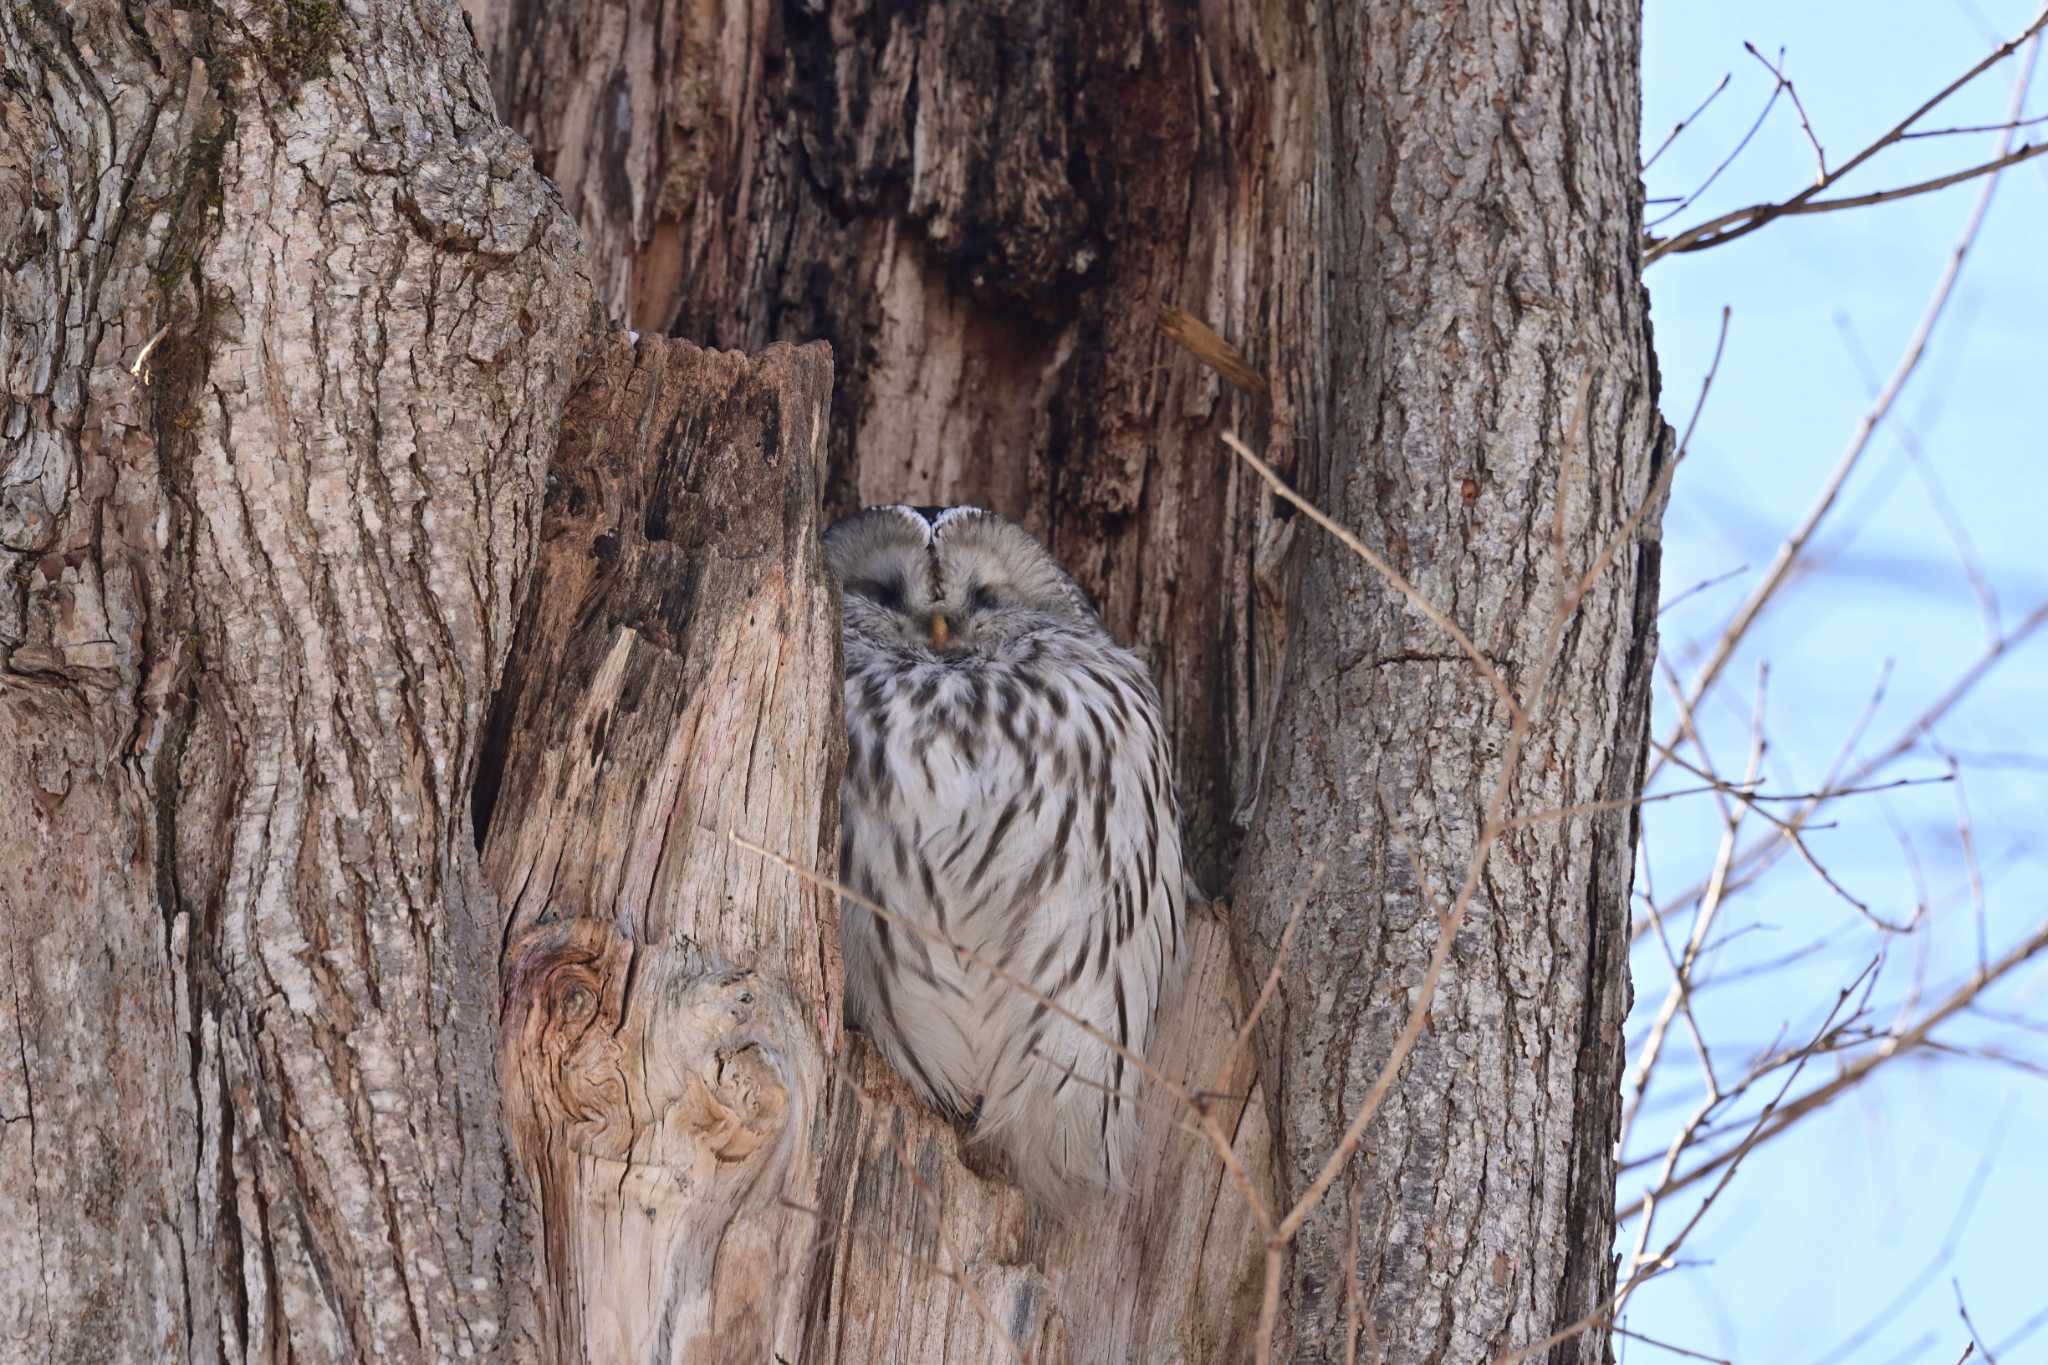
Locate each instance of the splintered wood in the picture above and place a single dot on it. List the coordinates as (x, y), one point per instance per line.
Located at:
(718, 1174)
(668, 1004)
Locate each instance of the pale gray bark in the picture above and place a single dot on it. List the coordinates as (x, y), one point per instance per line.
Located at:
(256, 595)
(1492, 425)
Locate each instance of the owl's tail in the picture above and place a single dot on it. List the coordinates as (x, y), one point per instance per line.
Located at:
(1063, 1111)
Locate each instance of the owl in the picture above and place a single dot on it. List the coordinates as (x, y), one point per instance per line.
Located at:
(1007, 787)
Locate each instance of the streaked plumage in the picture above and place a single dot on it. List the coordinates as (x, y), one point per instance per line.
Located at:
(1007, 784)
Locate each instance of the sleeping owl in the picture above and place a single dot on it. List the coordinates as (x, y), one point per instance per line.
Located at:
(1007, 787)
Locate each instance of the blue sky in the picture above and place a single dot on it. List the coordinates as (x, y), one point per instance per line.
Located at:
(1849, 1238)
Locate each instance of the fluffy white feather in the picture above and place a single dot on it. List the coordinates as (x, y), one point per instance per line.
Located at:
(1008, 786)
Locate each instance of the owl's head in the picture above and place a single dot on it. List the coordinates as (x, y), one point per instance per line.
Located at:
(947, 578)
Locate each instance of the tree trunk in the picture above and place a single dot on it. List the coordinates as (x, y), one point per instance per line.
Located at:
(1420, 227)
(262, 585)
(258, 589)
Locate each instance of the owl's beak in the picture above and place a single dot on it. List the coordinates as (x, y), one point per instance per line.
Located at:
(941, 632)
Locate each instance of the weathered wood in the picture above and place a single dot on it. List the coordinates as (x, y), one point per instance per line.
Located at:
(288, 321)
(676, 678)
(981, 207)
(670, 998)
(661, 1108)
(1416, 223)
(676, 673)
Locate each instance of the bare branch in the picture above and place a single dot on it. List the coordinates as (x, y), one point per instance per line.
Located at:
(1208, 1126)
(1795, 545)
(1742, 222)
(1752, 861)
(1806, 125)
(1642, 1270)
(1272, 982)
(1766, 213)
(1681, 125)
(1702, 586)
(1676, 997)
(1667, 1346)
(1977, 128)
(1382, 567)
(1687, 201)
(1963, 1311)
(1860, 1070)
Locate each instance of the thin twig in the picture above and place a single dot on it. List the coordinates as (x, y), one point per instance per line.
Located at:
(1754, 800)
(1795, 545)
(1754, 860)
(1855, 1073)
(1806, 125)
(1726, 161)
(1681, 125)
(1970, 867)
(1741, 222)
(1208, 1125)
(1380, 566)
(1963, 1311)
(1272, 982)
(1675, 996)
(1976, 128)
(1702, 586)
(1667, 1346)
(1643, 1270)
(1937, 495)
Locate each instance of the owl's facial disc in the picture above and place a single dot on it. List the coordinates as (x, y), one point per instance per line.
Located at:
(946, 580)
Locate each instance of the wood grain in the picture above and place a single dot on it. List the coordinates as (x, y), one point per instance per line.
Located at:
(670, 1001)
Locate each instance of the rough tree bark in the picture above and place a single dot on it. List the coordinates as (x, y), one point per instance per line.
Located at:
(286, 323)
(260, 585)
(1419, 222)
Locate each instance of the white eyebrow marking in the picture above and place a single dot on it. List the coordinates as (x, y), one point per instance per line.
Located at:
(909, 514)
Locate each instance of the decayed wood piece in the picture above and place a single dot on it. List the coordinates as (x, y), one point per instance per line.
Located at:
(982, 207)
(670, 998)
(659, 1106)
(288, 319)
(676, 673)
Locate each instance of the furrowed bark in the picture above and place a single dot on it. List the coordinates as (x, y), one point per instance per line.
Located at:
(255, 607)
(289, 320)
(1497, 428)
